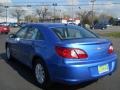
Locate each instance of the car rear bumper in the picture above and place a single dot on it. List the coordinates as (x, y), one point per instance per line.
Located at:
(75, 74)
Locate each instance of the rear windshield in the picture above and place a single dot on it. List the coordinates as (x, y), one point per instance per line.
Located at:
(74, 32)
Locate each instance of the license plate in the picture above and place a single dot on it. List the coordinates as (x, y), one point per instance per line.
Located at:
(103, 68)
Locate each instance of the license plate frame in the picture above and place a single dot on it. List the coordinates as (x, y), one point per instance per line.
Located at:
(103, 68)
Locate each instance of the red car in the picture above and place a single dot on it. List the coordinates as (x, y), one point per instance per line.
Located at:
(4, 29)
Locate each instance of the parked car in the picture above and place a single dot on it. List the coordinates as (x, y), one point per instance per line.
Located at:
(99, 26)
(62, 53)
(4, 29)
(13, 25)
(71, 23)
(22, 24)
(4, 23)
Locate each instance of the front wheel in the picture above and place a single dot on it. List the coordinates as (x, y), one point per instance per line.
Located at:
(41, 75)
(8, 53)
(103, 28)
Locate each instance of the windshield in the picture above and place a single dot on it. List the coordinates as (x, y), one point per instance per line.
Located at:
(73, 33)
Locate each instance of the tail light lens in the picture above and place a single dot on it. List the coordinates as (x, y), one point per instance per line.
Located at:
(71, 53)
(111, 49)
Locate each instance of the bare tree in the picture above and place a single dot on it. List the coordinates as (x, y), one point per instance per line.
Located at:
(38, 12)
(42, 13)
(65, 15)
(104, 16)
(85, 17)
(18, 13)
(31, 18)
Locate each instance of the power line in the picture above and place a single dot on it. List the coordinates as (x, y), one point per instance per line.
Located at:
(80, 2)
(67, 4)
(47, 4)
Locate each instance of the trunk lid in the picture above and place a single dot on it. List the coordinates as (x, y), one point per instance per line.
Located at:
(96, 48)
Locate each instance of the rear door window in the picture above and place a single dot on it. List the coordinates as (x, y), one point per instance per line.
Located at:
(34, 34)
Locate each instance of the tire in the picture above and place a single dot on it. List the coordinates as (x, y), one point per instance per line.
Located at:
(41, 75)
(8, 53)
(103, 28)
(6, 33)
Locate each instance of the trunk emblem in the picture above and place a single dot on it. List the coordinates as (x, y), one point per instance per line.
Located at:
(99, 48)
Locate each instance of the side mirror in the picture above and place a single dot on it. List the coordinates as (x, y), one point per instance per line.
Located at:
(12, 36)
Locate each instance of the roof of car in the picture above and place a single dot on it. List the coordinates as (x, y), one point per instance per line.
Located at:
(49, 25)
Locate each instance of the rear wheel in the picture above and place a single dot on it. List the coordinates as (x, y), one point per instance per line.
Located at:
(6, 33)
(41, 75)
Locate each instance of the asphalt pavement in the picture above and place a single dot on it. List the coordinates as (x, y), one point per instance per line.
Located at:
(16, 76)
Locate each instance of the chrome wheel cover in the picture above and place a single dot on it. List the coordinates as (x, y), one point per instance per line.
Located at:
(8, 52)
(39, 73)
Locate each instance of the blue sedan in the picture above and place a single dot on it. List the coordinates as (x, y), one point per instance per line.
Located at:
(62, 53)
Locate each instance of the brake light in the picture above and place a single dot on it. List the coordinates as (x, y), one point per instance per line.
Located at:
(111, 49)
(71, 53)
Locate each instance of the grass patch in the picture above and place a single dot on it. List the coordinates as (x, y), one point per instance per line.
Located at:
(111, 34)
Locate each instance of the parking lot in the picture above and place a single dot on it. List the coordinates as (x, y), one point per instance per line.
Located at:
(16, 76)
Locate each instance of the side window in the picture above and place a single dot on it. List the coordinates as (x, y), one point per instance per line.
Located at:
(21, 33)
(39, 36)
(73, 32)
(33, 34)
(59, 32)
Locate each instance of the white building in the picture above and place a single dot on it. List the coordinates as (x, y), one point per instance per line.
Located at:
(70, 20)
(11, 20)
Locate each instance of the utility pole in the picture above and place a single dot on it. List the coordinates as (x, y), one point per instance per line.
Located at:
(6, 9)
(80, 14)
(79, 9)
(54, 4)
(93, 3)
(60, 14)
(72, 11)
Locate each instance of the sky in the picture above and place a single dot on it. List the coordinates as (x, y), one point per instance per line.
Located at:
(109, 8)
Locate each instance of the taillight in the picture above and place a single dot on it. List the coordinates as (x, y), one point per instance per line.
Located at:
(71, 53)
(5, 28)
(111, 49)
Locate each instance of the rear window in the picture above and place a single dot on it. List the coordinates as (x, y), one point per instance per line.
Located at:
(73, 33)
